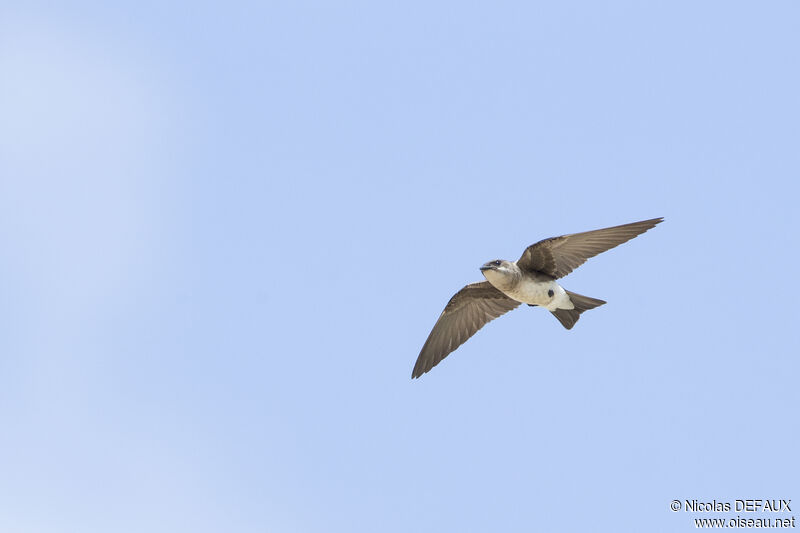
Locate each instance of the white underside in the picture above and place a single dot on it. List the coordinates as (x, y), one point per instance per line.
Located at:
(536, 293)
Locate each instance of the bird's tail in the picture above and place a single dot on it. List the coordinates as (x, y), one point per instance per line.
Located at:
(582, 303)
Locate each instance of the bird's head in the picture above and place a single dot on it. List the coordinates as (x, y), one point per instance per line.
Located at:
(500, 272)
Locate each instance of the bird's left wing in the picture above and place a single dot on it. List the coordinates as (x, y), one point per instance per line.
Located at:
(466, 312)
(558, 256)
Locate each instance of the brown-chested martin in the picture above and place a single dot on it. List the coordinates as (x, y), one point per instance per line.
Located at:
(529, 280)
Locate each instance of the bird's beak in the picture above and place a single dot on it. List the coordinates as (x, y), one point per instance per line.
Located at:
(486, 267)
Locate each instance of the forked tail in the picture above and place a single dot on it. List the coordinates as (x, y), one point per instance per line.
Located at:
(568, 317)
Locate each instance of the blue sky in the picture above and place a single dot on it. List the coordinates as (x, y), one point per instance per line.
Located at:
(227, 229)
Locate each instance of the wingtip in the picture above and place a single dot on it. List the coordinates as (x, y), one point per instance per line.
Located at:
(418, 372)
(647, 224)
(420, 369)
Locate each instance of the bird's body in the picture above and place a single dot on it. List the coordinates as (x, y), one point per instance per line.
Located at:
(529, 288)
(530, 280)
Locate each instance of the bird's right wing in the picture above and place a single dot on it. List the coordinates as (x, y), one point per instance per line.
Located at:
(467, 311)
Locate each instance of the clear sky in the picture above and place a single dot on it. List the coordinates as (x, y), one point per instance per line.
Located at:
(226, 230)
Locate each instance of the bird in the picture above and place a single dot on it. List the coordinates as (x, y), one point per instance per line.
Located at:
(531, 280)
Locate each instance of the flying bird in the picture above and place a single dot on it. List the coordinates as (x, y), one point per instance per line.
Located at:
(530, 280)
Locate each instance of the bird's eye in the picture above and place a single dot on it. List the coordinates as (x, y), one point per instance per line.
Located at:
(497, 263)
